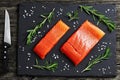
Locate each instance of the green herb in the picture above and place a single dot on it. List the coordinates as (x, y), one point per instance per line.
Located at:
(99, 59)
(34, 31)
(48, 66)
(102, 18)
(72, 16)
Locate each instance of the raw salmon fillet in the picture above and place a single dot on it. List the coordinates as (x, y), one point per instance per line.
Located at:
(50, 39)
(77, 47)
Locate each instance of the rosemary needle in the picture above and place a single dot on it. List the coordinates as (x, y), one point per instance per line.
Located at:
(101, 18)
(48, 66)
(34, 31)
(73, 16)
(99, 59)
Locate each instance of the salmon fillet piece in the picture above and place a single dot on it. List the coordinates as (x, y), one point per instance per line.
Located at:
(77, 47)
(50, 39)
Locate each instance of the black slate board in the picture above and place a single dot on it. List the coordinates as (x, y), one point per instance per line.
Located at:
(29, 17)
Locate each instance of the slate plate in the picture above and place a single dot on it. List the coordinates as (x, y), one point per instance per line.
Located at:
(29, 17)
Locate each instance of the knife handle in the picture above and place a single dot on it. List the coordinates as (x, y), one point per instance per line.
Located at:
(5, 58)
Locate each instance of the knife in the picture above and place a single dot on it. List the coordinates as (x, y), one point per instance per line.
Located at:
(6, 42)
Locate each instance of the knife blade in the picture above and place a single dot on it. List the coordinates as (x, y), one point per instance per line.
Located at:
(6, 42)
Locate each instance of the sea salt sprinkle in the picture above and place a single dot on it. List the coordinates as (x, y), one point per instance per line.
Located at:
(28, 13)
(66, 67)
(55, 56)
(103, 46)
(29, 56)
(59, 12)
(104, 70)
(43, 7)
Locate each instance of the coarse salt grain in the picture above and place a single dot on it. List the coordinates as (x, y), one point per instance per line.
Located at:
(91, 56)
(28, 59)
(33, 21)
(90, 59)
(48, 26)
(54, 57)
(31, 10)
(29, 14)
(39, 32)
(105, 11)
(71, 11)
(27, 67)
(109, 43)
(29, 54)
(77, 71)
(25, 11)
(74, 23)
(74, 26)
(101, 48)
(57, 56)
(23, 16)
(108, 9)
(99, 69)
(31, 67)
(108, 67)
(61, 9)
(77, 22)
(26, 14)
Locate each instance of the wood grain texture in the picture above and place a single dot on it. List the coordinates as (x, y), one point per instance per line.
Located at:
(12, 6)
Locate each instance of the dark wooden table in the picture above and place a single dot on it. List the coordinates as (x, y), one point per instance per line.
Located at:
(12, 6)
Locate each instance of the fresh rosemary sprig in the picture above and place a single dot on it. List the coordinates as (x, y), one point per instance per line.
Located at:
(102, 18)
(72, 16)
(99, 59)
(34, 31)
(48, 66)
